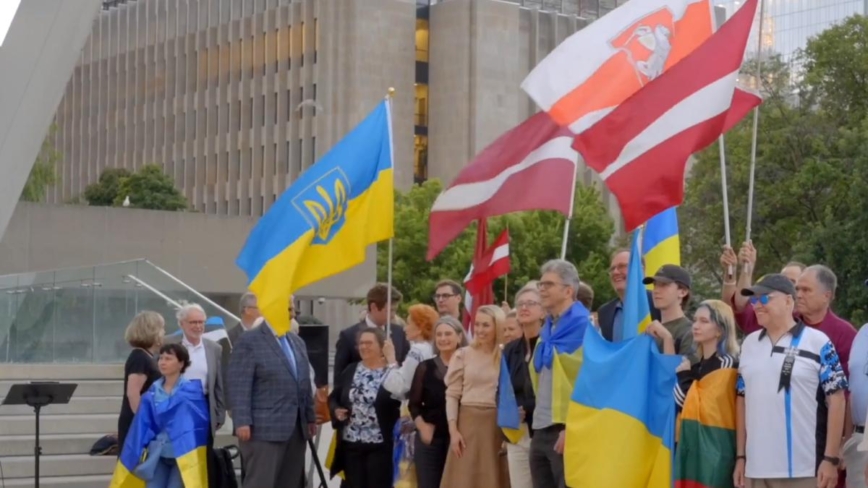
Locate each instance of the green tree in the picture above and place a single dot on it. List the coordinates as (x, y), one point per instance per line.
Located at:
(43, 174)
(148, 188)
(534, 238)
(811, 184)
(152, 189)
(104, 192)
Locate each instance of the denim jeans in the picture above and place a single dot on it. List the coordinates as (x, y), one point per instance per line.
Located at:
(167, 475)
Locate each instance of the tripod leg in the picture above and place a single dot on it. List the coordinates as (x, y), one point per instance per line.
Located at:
(37, 450)
(312, 464)
(315, 457)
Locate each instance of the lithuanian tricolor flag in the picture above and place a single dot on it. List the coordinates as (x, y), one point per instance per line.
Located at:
(706, 446)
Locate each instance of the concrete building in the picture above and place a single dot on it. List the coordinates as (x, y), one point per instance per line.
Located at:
(235, 98)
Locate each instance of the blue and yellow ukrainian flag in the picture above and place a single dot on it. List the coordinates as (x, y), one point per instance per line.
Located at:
(660, 241)
(323, 223)
(185, 418)
(508, 416)
(637, 313)
(621, 421)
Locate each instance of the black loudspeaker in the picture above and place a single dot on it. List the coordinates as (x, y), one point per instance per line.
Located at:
(316, 338)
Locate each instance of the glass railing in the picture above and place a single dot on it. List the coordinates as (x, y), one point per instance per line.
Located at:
(79, 315)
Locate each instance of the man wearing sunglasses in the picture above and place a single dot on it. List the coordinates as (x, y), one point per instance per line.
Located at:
(787, 438)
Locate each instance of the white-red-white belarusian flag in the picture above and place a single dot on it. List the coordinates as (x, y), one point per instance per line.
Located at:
(640, 148)
(531, 167)
(599, 67)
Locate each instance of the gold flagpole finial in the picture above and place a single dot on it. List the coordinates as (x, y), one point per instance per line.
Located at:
(391, 92)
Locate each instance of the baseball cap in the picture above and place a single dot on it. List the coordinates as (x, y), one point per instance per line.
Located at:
(670, 273)
(770, 283)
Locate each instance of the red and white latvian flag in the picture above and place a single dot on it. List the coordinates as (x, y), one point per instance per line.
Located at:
(531, 167)
(493, 264)
(641, 148)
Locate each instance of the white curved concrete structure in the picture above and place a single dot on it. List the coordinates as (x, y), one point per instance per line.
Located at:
(37, 57)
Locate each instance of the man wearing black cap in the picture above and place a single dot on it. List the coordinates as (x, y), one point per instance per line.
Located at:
(787, 437)
(671, 295)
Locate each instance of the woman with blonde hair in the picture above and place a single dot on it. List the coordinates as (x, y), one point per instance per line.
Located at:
(427, 403)
(474, 458)
(145, 336)
(705, 397)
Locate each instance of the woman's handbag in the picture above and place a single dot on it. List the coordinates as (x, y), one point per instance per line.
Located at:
(148, 466)
(321, 405)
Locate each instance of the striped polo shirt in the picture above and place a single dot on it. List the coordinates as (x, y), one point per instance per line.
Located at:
(786, 425)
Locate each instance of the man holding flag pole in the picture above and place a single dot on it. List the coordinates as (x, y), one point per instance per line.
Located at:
(320, 226)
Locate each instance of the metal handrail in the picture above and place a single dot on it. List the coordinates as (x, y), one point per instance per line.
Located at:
(195, 292)
(154, 291)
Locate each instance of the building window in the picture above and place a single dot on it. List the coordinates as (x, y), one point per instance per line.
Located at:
(315, 40)
(420, 163)
(298, 157)
(422, 40)
(420, 116)
(303, 42)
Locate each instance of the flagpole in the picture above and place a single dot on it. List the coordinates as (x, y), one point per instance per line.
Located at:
(753, 143)
(570, 216)
(726, 230)
(389, 97)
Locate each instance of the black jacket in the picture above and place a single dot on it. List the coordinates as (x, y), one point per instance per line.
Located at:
(519, 373)
(388, 413)
(347, 348)
(606, 316)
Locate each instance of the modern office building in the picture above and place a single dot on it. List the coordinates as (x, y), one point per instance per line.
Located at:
(235, 98)
(787, 25)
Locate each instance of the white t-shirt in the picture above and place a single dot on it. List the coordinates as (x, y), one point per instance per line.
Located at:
(785, 426)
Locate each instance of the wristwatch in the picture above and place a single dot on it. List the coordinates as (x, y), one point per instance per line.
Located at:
(834, 461)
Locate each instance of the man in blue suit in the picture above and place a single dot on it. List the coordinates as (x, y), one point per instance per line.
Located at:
(271, 401)
(611, 314)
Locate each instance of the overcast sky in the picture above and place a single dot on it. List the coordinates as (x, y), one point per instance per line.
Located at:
(7, 12)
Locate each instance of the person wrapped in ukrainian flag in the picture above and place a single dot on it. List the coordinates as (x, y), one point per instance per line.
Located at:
(167, 443)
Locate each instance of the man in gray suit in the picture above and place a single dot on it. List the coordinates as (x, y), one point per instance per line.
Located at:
(205, 361)
(271, 398)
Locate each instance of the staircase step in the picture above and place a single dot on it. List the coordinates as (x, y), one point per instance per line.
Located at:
(100, 424)
(15, 467)
(86, 388)
(22, 445)
(95, 481)
(78, 405)
(61, 372)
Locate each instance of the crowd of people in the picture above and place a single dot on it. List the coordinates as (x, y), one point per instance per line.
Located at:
(801, 394)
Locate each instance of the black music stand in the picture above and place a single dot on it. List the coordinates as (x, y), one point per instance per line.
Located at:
(38, 395)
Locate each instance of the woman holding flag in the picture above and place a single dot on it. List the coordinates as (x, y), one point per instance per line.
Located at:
(474, 458)
(705, 397)
(167, 444)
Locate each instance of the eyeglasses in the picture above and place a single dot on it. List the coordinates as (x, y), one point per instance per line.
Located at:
(443, 296)
(527, 304)
(619, 267)
(545, 285)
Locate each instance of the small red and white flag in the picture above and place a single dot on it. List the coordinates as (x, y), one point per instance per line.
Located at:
(493, 263)
(531, 167)
(640, 149)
